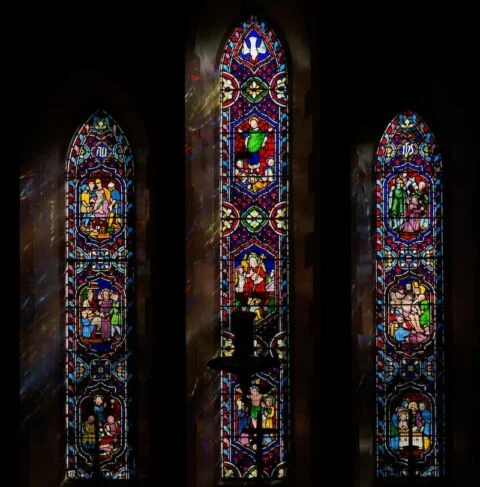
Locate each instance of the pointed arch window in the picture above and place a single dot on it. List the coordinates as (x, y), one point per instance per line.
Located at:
(410, 331)
(254, 246)
(98, 293)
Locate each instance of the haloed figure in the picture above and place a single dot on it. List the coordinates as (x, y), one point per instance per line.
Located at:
(255, 139)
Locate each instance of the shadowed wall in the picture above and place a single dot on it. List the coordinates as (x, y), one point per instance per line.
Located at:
(205, 42)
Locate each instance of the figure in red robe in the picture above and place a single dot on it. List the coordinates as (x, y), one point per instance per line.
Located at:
(255, 274)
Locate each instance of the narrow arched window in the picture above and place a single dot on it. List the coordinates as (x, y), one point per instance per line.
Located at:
(98, 282)
(254, 247)
(409, 301)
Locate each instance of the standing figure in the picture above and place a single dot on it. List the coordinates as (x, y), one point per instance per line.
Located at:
(88, 433)
(414, 422)
(269, 412)
(256, 405)
(114, 207)
(254, 141)
(426, 415)
(90, 318)
(270, 288)
(114, 409)
(105, 307)
(412, 225)
(242, 415)
(86, 204)
(101, 206)
(422, 196)
(422, 302)
(115, 317)
(396, 204)
(99, 409)
(267, 418)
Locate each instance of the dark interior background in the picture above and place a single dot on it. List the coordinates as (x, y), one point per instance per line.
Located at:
(368, 63)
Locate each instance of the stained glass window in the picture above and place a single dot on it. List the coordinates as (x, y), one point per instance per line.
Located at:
(98, 281)
(409, 301)
(254, 248)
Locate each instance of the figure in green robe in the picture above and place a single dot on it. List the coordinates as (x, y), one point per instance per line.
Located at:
(397, 205)
(255, 139)
(425, 316)
(115, 317)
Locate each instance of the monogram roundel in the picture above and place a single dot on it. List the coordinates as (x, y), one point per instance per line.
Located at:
(410, 332)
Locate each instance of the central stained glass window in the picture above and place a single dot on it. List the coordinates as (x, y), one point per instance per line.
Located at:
(254, 245)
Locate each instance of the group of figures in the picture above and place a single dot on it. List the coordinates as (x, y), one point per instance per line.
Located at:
(261, 407)
(251, 171)
(411, 417)
(409, 295)
(410, 313)
(254, 285)
(408, 204)
(100, 432)
(101, 315)
(254, 189)
(98, 278)
(100, 209)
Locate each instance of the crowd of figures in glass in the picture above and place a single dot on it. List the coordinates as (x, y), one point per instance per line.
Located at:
(409, 301)
(99, 190)
(254, 242)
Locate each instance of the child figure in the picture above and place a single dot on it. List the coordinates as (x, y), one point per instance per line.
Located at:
(240, 279)
(240, 172)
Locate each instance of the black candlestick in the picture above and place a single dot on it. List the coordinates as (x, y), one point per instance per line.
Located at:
(243, 363)
(411, 448)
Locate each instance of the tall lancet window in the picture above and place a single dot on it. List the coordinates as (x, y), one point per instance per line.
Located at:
(254, 246)
(98, 282)
(409, 301)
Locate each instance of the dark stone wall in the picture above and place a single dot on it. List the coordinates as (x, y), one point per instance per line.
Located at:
(370, 63)
(352, 68)
(205, 42)
(68, 66)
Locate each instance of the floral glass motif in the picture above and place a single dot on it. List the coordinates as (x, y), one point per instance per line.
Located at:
(254, 258)
(99, 195)
(409, 301)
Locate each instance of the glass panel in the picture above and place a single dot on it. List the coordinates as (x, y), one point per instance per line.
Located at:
(99, 192)
(254, 258)
(409, 302)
